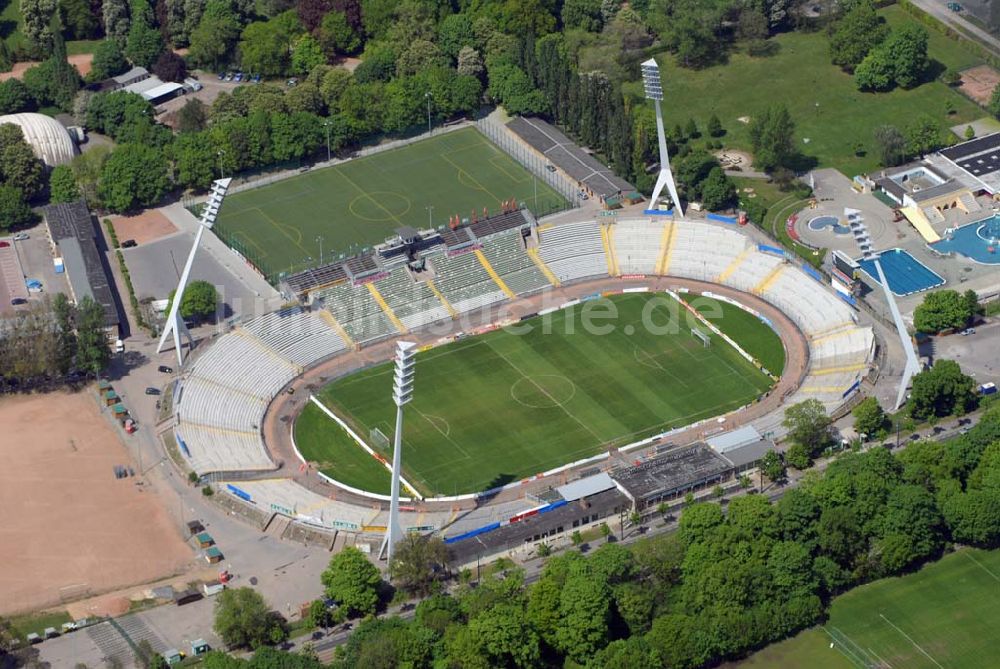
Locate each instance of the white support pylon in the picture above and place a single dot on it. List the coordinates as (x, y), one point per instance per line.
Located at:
(654, 91)
(175, 324)
(402, 393)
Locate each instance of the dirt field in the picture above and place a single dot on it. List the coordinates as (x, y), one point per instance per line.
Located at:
(82, 62)
(145, 227)
(69, 527)
(978, 83)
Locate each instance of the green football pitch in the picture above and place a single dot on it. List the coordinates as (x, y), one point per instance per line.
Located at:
(945, 615)
(362, 201)
(498, 407)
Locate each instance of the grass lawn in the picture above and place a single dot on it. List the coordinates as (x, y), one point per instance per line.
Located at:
(322, 441)
(495, 408)
(362, 201)
(764, 344)
(780, 205)
(945, 615)
(824, 103)
(37, 622)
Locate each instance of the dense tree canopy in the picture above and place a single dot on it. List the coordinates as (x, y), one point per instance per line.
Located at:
(352, 581)
(943, 310)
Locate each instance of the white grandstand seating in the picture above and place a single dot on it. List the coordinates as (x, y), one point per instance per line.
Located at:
(464, 282)
(357, 312)
(296, 335)
(755, 268)
(215, 405)
(702, 251)
(217, 450)
(507, 256)
(241, 363)
(574, 250)
(813, 308)
(637, 245)
(288, 494)
(413, 302)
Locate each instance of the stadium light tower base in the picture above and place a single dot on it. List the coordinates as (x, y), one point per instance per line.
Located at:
(175, 324)
(402, 393)
(654, 91)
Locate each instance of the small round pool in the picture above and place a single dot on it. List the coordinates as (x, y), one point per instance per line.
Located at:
(832, 222)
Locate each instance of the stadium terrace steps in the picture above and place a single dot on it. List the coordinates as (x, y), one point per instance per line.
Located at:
(734, 265)
(493, 274)
(508, 257)
(414, 303)
(607, 239)
(637, 246)
(298, 335)
(443, 300)
(552, 278)
(377, 296)
(357, 311)
(768, 280)
(702, 252)
(574, 251)
(666, 246)
(464, 282)
(328, 317)
(240, 332)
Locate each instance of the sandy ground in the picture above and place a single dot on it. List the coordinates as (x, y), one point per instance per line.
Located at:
(81, 61)
(70, 528)
(978, 83)
(145, 227)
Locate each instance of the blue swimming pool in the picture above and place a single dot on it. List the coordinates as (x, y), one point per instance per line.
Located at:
(906, 275)
(979, 241)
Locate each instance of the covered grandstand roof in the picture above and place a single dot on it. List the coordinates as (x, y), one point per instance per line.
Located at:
(50, 141)
(568, 156)
(674, 471)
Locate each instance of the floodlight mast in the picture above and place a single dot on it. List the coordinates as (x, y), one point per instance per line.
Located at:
(175, 324)
(653, 86)
(402, 393)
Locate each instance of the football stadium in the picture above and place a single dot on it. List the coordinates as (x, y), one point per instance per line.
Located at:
(602, 358)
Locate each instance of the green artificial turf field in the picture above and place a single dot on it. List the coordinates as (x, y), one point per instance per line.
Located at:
(362, 201)
(824, 102)
(945, 615)
(498, 407)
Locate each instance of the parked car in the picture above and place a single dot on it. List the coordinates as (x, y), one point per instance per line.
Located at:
(968, 331)
(21, 236)
(4, 245)
(238, 77)
(222, 76)
(256, 78)
(550, 168)
(129, 243)
(229, 76)
(292, 82)
(165, 369)
(18, 300)
(152, 391)
(193, 84)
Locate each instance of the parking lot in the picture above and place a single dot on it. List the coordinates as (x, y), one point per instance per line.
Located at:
(977, 353)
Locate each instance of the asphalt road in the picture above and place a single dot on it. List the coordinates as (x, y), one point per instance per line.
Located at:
(939, 10)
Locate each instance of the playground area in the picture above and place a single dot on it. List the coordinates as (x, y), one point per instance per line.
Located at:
(72, 529)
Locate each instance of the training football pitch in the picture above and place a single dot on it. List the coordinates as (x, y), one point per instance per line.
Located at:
(945, 615)
(501, 406)
(360, 202)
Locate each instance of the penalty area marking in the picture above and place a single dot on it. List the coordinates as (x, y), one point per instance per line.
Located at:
(910, 639)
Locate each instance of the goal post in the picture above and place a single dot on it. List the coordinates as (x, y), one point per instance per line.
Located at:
(703, 336)
(378, 440)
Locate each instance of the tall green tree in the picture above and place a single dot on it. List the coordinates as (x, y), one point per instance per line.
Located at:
(869, 418)
(62, 185)
(352, 581)
(942, 310)
(808, 425)
(200, 301)
(133, 175)
(337, 37)
(942, 390)
(419, 563)
(244, 620)
(18, 165)
(771, 137)
(144, 42)
(14, 209)
(108, 61)
(92, 349)
(858, 32)
(36, 24)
